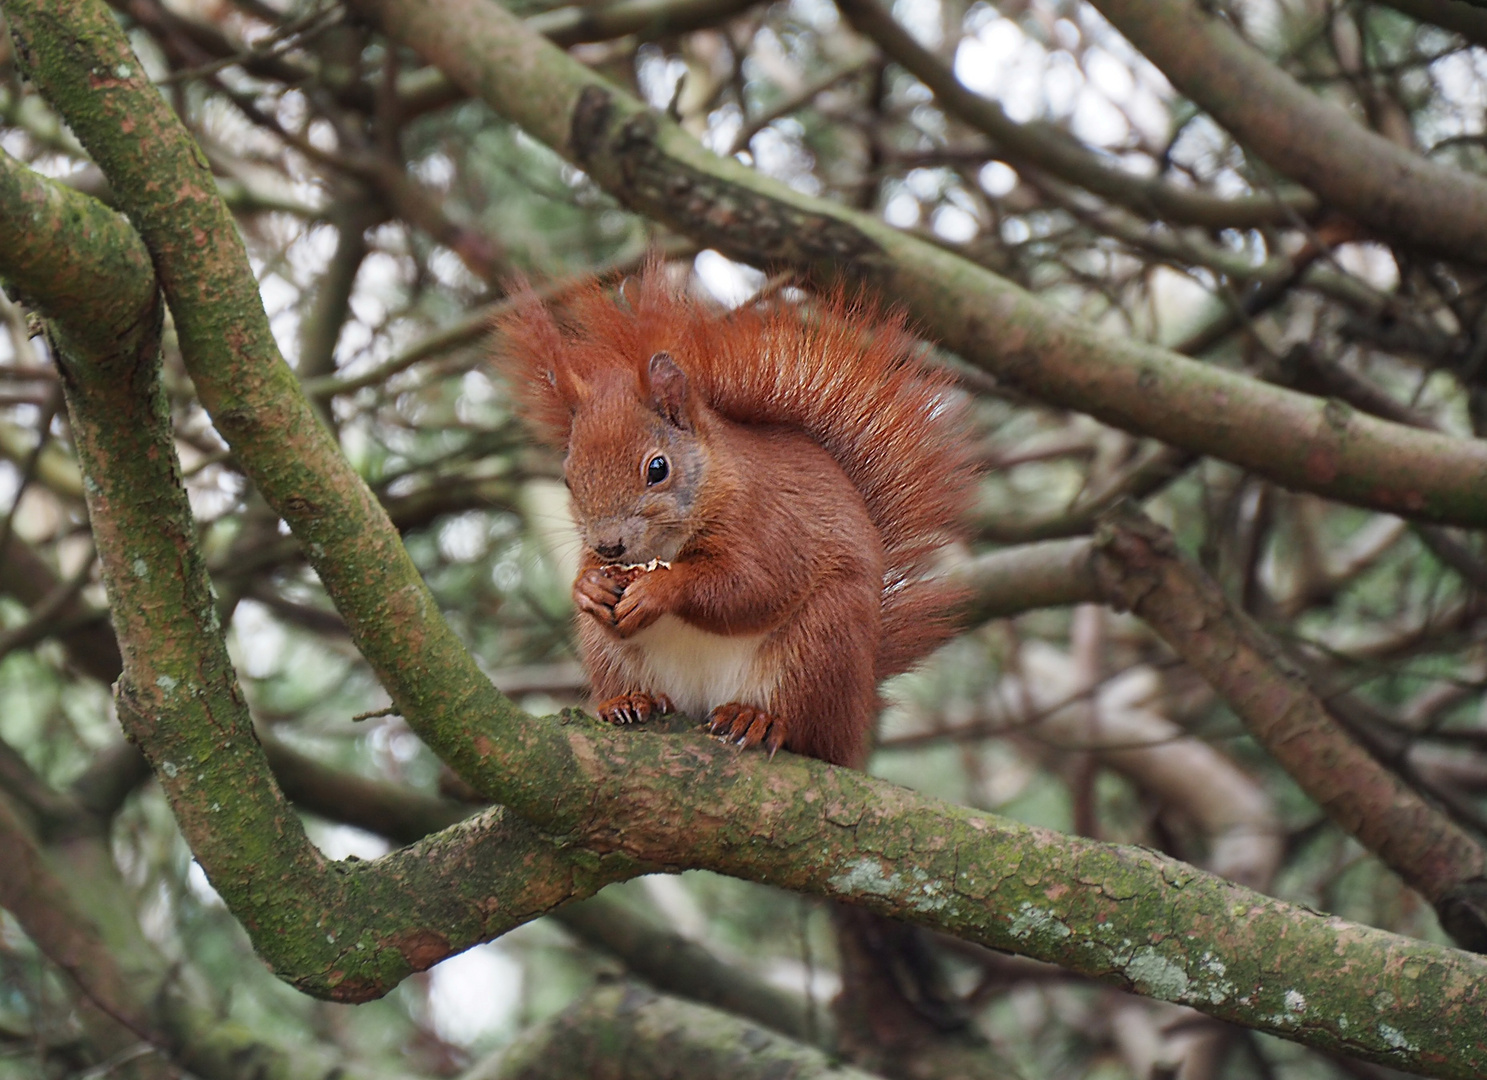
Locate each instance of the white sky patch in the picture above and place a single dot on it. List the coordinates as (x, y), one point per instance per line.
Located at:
(723, 125)
(277, 294)
(201, 888)
(475, 993)
(1062, 82)
(730, 282)
(780, 154)
(1114, 90)
(1176, 299)
(982, 58)
(658, 75)
(922, 19)
(925, 183)
(1371, 262)
(436, 170)
(823, 983)
(675, 901)
(450, 270)
(821, 14)
(997, 178)
(1098, 122)
(1461, 80)
(902, 210)
(342, 841)
(464, 538)
(10, 482)
(1108, 75)
(955, 225)
(258, 638)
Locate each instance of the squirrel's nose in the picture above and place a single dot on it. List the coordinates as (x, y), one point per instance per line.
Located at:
(610, 551)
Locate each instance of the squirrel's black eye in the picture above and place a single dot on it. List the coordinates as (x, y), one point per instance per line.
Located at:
(657, 470)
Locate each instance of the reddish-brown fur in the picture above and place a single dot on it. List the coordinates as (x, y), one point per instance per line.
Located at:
(813, 468)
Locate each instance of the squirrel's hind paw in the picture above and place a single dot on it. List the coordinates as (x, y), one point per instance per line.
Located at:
(633, 708)
(747, 726)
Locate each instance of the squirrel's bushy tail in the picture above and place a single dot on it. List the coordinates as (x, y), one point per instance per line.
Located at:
(840, 369)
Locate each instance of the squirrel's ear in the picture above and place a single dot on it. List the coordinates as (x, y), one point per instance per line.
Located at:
(669, 389)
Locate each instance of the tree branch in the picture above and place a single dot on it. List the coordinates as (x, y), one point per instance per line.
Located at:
(674, 964)
(652, 166)
(1142, 571)
(623, 1031)
(1405, 198)
(1045, 147)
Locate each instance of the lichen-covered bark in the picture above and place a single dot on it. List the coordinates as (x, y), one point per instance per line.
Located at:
(649, 164)
(101, 248)
(79, 57)
(1201, 941)
(347, 930)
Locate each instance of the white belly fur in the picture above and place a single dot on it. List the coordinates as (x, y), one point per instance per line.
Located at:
(697, 670)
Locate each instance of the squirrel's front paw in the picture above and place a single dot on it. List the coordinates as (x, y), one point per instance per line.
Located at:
(633, 708)
(748, 726)
(595, 593)
(644, 601)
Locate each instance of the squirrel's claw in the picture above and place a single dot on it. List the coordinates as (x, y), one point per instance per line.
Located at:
(747, 726)
(633, 708)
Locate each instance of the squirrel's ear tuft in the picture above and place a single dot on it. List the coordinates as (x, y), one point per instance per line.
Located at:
(532, 355)
(668, 385)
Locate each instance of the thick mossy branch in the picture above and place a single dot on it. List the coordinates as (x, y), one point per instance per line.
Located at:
(100, 247)
(78, 56)
(350, 930)
(651, 165)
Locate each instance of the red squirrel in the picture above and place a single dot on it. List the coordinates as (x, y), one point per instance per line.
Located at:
(759, 494)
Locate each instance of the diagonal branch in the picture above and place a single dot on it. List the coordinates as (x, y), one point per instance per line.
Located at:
(1045, 147)
(256, 404)
(1402, 196)
(652, 166)
(41, 904)
(1141, 571)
